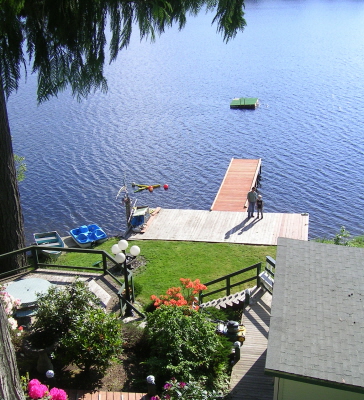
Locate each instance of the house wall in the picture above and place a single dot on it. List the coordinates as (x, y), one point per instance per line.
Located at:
(285, 389)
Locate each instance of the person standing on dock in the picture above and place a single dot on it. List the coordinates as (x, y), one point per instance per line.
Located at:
(252, 199)
(260, 205)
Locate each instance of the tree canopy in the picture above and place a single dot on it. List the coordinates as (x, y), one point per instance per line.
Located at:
(65, 40)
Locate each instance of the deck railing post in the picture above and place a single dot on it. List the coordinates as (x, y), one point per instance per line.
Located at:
(259, 267)
(35, 256)
(127, 287)
(228, 286)
(132, 297)
(104, 262)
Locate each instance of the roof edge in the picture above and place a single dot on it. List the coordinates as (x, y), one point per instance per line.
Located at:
(319, 382)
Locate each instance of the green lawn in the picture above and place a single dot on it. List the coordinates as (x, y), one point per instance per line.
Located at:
(167, 261)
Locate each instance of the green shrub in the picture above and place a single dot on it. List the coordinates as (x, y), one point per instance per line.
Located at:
(183, 344)
(174, 390)
(87, 335)
(223, 315)
(59, 308)
(342, 238)
(94, 340)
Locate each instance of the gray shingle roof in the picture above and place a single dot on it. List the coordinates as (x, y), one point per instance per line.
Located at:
(317, 317)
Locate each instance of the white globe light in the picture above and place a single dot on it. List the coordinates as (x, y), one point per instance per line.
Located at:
(123, 244)
(115, 249)
(50, 374)
(120, 258)
(134, 250)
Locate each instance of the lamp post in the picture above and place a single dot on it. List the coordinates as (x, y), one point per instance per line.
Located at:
(119, 250)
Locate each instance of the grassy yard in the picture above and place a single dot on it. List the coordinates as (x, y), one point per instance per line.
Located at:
(167, 261)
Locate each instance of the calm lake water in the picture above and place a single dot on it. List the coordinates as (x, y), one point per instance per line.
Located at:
(166, 119)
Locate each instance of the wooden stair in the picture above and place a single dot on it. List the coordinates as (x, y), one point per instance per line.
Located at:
(235, 301)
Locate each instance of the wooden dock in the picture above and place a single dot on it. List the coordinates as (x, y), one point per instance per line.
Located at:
(240, 177)
(248, 381)
(224, 227)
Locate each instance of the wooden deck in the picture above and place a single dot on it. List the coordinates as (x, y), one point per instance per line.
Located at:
(248, 381)
(89, 395)
(240, 177)
(224, 226)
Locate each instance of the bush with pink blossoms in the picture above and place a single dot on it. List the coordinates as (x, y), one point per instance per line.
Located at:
(58, 394)
(36, 390)
(175, 390)
(10, 305)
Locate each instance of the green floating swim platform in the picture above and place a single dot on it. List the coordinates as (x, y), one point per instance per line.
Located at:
(244, 102)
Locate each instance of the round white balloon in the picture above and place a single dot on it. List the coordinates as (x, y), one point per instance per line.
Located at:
(123, 244)
(115, 249)
(134, 250)
(120, 258)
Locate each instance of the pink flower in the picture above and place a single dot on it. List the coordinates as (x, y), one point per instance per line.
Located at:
(37, 391)
(182, 384)
(13, 323)
(58, 394)
(33, 382)
(167, 386)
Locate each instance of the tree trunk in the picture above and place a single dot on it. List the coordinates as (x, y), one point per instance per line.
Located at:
(10, 387)
(11, 218)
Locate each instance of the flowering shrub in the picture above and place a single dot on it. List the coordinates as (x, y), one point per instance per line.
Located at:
(174, 390)
(37, 390)
(10, 305)
(175, 296)
(184, 344)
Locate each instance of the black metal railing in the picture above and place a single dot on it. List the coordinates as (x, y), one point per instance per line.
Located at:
(228, 285)
(33, 263)
(226, 289)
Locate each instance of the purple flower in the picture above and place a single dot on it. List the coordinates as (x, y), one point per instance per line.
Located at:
(182, 384)
(58, 394)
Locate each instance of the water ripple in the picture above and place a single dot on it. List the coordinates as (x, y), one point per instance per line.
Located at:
(166, 119)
